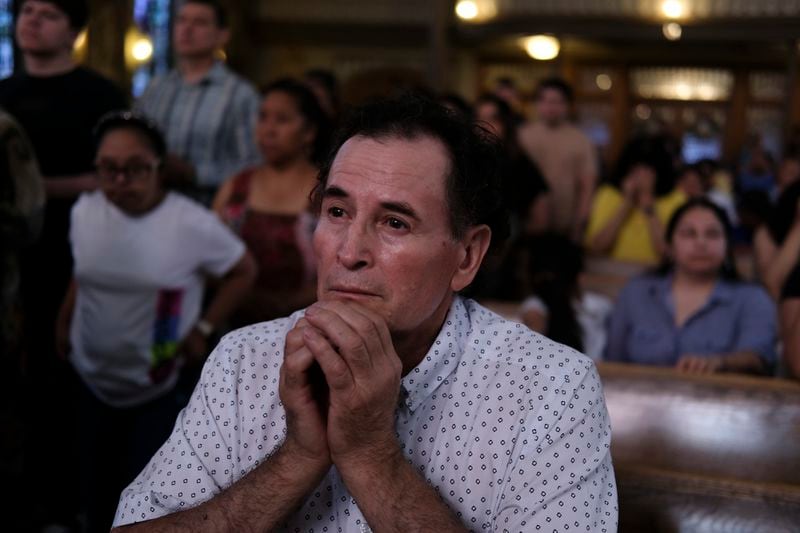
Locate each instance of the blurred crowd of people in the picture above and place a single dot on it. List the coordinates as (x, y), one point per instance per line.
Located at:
(133, 236)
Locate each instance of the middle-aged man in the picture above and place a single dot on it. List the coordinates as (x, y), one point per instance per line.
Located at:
(565, 156)
(206, 112)
(392, 404)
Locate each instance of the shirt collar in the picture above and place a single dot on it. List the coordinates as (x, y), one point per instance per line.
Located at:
(721, 294)
(215, 74)
(440, 361)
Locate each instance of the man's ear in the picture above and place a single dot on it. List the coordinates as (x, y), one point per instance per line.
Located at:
(474, 244)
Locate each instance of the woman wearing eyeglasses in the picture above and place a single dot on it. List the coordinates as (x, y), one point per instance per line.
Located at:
(132, 316)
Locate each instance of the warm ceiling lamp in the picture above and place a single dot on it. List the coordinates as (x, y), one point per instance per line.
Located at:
(476, 10)
(467, 10)
(138, 47)
(542, 47)
(672, 9)
(672, 31)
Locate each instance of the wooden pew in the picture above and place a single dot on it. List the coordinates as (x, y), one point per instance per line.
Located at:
(704, 453)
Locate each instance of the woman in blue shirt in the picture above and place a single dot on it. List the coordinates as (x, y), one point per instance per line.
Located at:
(694, 313)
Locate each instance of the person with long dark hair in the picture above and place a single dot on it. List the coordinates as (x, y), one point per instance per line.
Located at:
(694, 313)
(268, 205)
(556, 305)
(524, 186)
(777, 242)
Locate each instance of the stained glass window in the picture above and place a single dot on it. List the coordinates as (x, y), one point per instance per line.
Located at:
(6, 41)
(153, 18)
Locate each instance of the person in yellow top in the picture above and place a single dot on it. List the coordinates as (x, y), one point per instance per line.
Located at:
(626, 223)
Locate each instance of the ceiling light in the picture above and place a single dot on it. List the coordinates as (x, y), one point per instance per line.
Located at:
(542, 47)
(672, 9)
(142, 49)
(603, 82)
(683, 91)
(467, 10)
(672, 31)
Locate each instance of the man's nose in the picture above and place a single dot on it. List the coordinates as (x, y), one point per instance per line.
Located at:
(355, 249)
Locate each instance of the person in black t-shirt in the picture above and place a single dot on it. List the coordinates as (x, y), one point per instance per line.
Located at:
(57, 103)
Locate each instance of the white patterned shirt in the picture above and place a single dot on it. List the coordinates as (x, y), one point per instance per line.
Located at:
(509, 427)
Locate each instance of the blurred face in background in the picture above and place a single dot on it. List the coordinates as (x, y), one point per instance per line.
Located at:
(487, 114)
(43, 29)
(552, 106)
(283, 133)
(699, 245)
(127, 167)
(197, 33)
(692, 183)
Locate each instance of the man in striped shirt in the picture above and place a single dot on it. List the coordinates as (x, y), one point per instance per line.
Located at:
(206, 112)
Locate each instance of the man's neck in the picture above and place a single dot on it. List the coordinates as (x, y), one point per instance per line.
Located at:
(193, 69)
(50, 65)
(412, 348)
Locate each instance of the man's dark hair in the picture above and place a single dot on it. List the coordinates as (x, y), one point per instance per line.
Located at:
(220, 15)
(77, 11)
(556, 84)
(473, 183)
(308, 106)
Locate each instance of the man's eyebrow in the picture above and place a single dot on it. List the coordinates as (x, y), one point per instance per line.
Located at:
(334, 192)
(398, 207)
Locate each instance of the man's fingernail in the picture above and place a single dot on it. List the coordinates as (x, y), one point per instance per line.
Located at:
(311, 311)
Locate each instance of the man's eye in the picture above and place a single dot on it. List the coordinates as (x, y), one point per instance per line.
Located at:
(336, 212)
(396, 223)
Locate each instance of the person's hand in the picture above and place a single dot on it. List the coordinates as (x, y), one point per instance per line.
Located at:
(700, 364)
(355, 351)
(630, 189)
(303, 392)
(194, 348)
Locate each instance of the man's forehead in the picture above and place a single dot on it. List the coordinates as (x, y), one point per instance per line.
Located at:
(393, 153)
(390, 168)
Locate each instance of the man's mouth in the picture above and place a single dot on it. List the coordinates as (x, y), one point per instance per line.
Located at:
(351, 292)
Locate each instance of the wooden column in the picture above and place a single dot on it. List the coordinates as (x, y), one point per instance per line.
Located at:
(736, 126)
(108, 24)
(438, 45)
(621, 105)
(242, 19)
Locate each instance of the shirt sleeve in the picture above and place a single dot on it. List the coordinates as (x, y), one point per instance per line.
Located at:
(564, 476)
(757, 329)
(198, 460)
(619, 326)
(218, 247)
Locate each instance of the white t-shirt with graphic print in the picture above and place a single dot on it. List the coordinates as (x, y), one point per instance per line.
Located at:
(139, 291)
